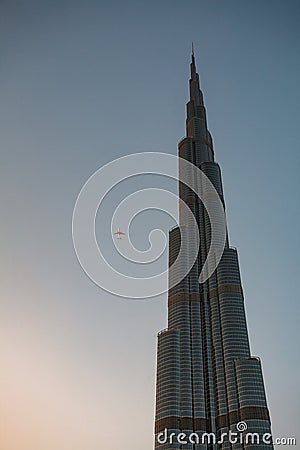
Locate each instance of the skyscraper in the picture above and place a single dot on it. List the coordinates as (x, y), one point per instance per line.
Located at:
(207, 379)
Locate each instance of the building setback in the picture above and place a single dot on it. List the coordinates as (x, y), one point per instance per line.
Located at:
(207, 380)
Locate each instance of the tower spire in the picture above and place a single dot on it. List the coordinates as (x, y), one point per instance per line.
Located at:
(195, 92)
(193, 64)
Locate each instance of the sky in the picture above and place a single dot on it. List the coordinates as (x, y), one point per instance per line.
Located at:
(83, 83)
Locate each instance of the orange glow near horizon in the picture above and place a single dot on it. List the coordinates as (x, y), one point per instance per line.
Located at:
(45, 405)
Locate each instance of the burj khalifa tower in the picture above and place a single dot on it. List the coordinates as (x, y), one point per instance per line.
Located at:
(207, 379)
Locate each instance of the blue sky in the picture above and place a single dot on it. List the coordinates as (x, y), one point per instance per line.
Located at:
(83, 83)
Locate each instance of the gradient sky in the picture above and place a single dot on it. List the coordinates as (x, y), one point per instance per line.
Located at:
(85, 82)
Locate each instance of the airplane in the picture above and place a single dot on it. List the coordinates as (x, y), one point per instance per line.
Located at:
(119, 233)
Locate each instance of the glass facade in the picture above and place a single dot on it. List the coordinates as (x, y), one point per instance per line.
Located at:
(207, 380)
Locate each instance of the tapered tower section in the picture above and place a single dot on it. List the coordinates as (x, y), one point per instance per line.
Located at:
(207, 380)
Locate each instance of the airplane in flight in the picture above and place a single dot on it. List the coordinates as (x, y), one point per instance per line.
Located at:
(119, 233)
